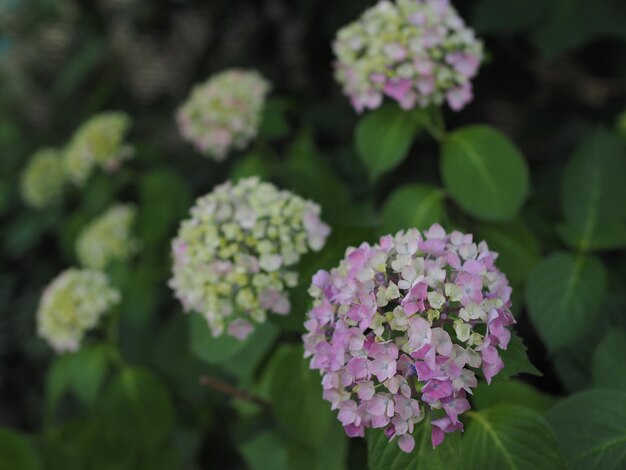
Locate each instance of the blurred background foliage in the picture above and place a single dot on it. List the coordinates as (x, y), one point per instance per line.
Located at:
(554, 83)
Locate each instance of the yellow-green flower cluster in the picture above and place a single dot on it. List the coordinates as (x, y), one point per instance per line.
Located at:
(99, 142)
(71, 305)
(108, 238)
(43, 179)
(224, 112)
(232, 257)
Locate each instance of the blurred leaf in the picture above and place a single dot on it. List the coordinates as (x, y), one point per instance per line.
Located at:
(571, 23)
(25, 231)
(590, 428)
(240, 358)
(512, 392)
(484, 172)
(385, 455)
(594, 188)
(251, 164)
(508, 16)
(98, 194)
(307, 421)
(564, 294)
(509, 436)
(305, 168)
(609, 367)
(90, 55)
(274, 123)
(516, 245)
(515, 360)
(81, 372)
(136, 408)
(17, 452)
(164, 200)
(384, 137)
(265, 451)
(409, 206)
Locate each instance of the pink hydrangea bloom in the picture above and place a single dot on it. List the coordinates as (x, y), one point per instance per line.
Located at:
(416, 52)
(400, 328)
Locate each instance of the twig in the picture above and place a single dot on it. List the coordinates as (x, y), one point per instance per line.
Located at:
(228, 389)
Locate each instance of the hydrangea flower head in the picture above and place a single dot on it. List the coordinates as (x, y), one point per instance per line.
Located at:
(99, 142)
(43, 179)
(224, 112)
(416, 52)
(232, 257)
(71, 305)
(399, 329)
(108, 238)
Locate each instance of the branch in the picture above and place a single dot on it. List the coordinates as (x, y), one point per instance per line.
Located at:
(234, 392)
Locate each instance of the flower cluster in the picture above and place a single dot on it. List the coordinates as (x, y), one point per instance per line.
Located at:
(417, 52)
(231, 258)
(400, 328)
(71, 305)
(108, 238)
(224, 112)
(97, 143)
(43, 179)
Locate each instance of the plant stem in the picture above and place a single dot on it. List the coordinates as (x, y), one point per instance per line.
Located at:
(234, 392)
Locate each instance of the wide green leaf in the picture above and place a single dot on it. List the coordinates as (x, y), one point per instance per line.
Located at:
(507, 16)
(608, 366)
(484, 172)
(512, 392)
(385, 455)
(136, 408)
(564, 294)
(238, 357)
(591, 429)
(304, 418)
(515, 360)
(384, 137)
(264, 451)
(413, 205)
(516, 245)
(17, 452)
(594, 188)
(509, 437)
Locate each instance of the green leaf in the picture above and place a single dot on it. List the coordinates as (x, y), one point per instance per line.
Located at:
(484, 172)
(509, 437)
(82, 373)
(512, 392)
(608, 367)
(507, 16)
(307, 422)
(17, 452)
(237, 357)
(564, 294)
(384, 137)
(594, 186)
(516, 245)
(571, 23)
(264, 451)
(515, 360)
(136, 408)
(251, 164)
(385, 455)
(413, 205)
(274, 123)
(591, 429)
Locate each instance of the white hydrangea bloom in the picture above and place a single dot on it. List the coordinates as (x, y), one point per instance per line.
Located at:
(108, 238)
(232, 257)
(43, 179)
(99, 142)
(71, 305)
(224, 112)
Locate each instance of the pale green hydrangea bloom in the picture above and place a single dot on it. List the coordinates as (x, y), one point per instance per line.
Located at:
(71, 305)
(224, 112)
(43, 179)
(232, 257)
(108, 238)
(99, 142)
